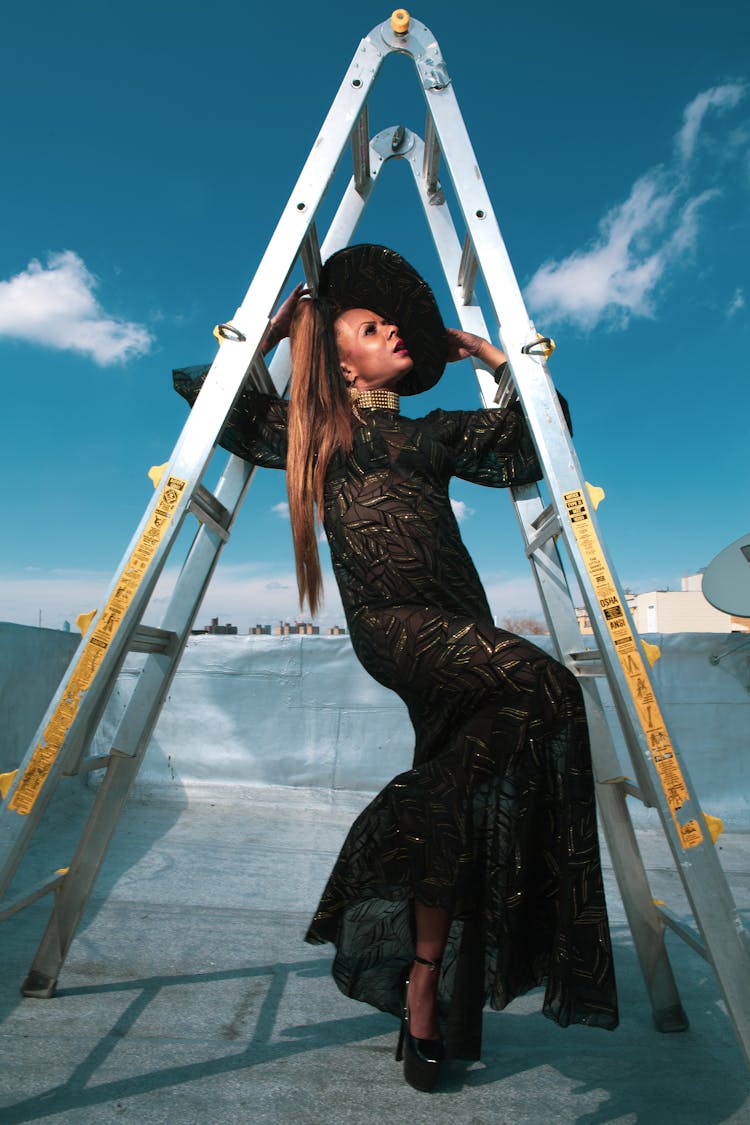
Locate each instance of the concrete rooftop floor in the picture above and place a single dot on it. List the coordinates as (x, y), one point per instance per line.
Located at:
(190, 996)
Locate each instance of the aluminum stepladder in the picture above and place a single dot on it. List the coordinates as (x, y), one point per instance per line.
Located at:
(62, 743)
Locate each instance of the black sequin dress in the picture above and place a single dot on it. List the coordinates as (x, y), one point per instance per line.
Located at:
(496, 820)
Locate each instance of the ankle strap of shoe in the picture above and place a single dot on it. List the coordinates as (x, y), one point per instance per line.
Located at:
(433, 965)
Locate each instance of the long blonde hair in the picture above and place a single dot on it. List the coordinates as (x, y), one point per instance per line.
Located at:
(320, 425)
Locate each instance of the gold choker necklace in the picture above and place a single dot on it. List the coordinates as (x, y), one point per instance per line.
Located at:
(374, 400)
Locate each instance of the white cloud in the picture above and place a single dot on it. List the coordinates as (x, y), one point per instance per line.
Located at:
(736, 304)
(461, 510)
(639, 241)
(281, 510)
(717, 98)
(56, 306)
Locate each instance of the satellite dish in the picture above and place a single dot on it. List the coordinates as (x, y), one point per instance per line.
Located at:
(726, 582)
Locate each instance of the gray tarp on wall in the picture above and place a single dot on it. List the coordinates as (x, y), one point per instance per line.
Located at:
(299, 710)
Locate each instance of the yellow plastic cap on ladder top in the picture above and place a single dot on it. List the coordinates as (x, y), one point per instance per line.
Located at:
(400, 20)
(156, 472)
(6, 780)
(652, 652)
(596, 494)
(84, 620)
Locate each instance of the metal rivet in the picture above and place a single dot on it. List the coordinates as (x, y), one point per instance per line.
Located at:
(301, 206)
(480, 214)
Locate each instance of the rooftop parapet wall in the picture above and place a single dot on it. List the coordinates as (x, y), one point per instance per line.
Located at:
(300, 711)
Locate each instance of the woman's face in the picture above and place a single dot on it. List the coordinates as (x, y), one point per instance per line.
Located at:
(371, 351)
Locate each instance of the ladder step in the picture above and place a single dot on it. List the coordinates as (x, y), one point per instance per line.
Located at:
(210, 511)
(547, 524)
(87, 765)
(361, 150)
(690, 936)
(310, 254)
(587, 662)
(39, 889)
(431, 159)
(90, 764)
(506, 388)
(467, 271)
(147, 638)
(632, 790)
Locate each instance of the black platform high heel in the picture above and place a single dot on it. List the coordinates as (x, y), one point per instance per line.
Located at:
(422, 1057)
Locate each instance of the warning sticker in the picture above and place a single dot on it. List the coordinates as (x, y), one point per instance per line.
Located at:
(87, 665)
(630, 657)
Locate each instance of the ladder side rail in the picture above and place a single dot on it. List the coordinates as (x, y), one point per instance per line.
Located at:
(557, 600)
(131, 740)
(643, 918)
(556, 453)
(136, 726)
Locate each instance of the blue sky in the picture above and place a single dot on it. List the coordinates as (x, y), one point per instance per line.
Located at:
(148, 152)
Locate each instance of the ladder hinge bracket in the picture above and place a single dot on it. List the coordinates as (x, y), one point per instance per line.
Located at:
(418, 42)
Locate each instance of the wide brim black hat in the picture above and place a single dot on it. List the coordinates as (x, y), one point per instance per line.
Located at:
(373, 277)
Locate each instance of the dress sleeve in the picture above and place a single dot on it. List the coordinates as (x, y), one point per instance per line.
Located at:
(256, 428)
(491, 447)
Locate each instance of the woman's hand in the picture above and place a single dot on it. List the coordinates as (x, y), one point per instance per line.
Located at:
(281, 321)
(464, 345)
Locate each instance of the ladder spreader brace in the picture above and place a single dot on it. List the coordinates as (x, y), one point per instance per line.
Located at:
(65, 735)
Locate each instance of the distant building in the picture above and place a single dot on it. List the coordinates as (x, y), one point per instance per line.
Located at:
(675, 611)
(215, 629)
(304, 628)
(336, 631)
(259, 630)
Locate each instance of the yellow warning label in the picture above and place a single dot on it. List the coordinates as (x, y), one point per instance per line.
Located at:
(629, 655)
(87, 665)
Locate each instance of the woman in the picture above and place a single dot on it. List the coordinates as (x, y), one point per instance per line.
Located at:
(474, 876)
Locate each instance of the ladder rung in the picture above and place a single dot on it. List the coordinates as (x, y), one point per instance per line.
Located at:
(431, 159)
(210, 511)
(690, 936)
(636, 791)
(260, 376)
(36, 892)
(632, 790)
(506, 388)
(546, 524)
(467, 271)
(587, 662)
(361, 150)
(147, 638)
(310, 254)
(89, 764)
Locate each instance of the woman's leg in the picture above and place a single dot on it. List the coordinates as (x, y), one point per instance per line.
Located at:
(432, 925)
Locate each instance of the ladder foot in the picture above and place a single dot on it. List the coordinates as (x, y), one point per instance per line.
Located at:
(39, 986)
(671, 1019)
